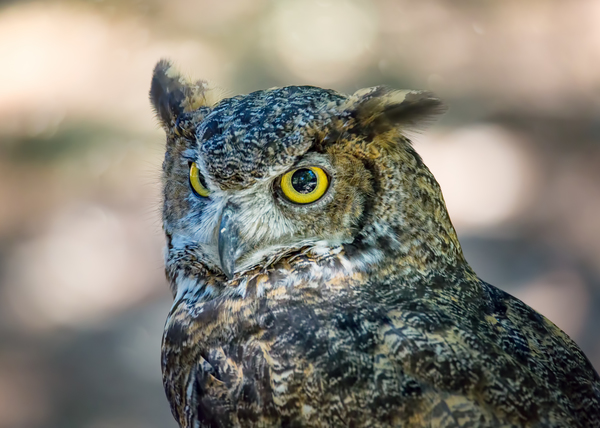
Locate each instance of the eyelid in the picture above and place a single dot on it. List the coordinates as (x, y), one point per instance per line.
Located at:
(196, 183)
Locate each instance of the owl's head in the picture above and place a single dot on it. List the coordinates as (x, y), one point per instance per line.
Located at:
(252, 180)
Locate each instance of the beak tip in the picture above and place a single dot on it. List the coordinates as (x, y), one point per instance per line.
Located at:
(228, 270)
(227, 263)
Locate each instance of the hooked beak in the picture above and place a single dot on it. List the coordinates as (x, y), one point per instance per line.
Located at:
(230, 244)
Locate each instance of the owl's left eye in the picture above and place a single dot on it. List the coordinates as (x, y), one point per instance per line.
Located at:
(304, 185)
(197, 181)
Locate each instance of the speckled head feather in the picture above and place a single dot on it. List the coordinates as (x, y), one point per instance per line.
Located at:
(259, 135)
(356, 309)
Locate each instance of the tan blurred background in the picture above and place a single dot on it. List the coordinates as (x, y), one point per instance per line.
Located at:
(82, 291)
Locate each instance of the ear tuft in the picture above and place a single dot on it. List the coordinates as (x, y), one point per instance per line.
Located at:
(380, 109)
(171, 94)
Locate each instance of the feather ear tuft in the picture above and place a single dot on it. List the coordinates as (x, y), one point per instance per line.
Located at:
(380, 109)
(171, 94)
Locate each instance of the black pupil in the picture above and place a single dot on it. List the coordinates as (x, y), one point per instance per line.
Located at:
(304, 181)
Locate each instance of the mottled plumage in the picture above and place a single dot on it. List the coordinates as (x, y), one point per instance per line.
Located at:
(356, 310)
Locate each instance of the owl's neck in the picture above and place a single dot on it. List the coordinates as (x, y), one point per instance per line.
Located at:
(382, 250)
(350, 265)
(414, 254)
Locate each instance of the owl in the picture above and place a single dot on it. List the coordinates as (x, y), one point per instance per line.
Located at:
(318, 280)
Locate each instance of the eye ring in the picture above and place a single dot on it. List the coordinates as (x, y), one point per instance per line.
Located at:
(196, 181)
(304, 185)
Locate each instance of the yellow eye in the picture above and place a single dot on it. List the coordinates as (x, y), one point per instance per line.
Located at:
(304, 185)
(196, 181)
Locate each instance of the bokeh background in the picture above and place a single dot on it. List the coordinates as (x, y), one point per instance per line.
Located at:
(82, 292)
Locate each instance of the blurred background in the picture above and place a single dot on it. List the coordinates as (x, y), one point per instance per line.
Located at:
(82, 291)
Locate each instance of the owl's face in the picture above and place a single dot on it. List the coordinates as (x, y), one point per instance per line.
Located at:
(251, 179)
(253, 186)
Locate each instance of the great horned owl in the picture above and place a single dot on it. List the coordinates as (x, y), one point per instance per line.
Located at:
(319, 282)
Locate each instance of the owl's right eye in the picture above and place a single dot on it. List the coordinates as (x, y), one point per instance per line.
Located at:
(197, 181)
(304, 185)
